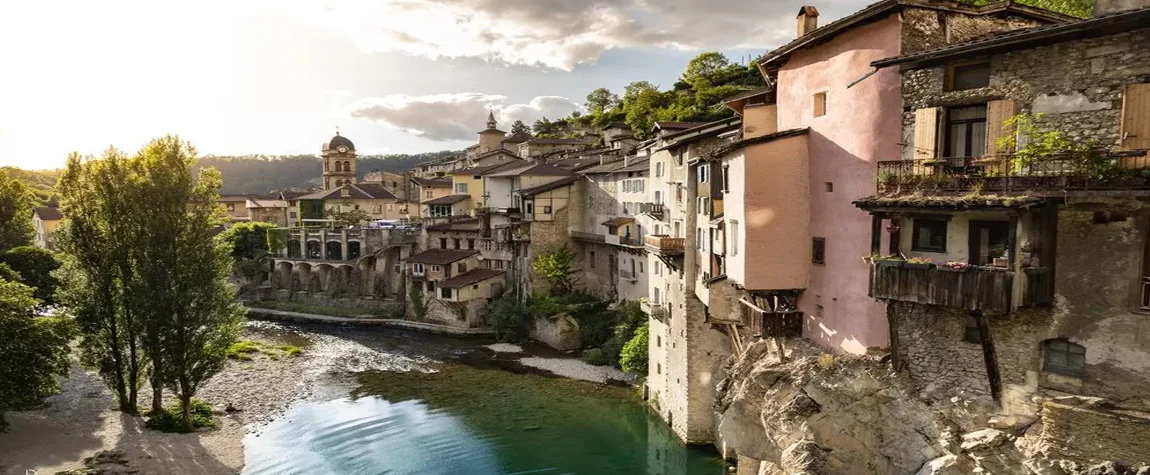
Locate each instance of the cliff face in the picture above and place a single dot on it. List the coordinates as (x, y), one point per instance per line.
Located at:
(829, 414)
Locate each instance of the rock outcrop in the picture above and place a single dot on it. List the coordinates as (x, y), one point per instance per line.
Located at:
(830, 414)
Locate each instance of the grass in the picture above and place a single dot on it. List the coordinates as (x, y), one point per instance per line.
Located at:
(171, 418)
(308, 308)
(245, 350)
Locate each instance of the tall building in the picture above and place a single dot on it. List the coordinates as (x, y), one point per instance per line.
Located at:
(339, 164)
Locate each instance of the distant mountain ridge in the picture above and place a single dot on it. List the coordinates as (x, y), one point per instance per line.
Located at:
(263, 173)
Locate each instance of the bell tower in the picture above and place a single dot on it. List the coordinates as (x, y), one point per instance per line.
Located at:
(339, 164)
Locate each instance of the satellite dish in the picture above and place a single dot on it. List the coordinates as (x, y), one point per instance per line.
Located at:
(480, 257)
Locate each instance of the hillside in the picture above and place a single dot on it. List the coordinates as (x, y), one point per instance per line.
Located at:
(41, 183)
(264, 173)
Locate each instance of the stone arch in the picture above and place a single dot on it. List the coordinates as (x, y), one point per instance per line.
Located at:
(347, 166)
(323, 277)
(365, 276)
(353, 250)
(284, 272)
(342, 280)
(333, 251)
(293, 249)
(303, 278)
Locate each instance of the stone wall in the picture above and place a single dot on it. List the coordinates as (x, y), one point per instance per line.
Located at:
(467, 314)
(1080, 96)
(557, 331)
(547, 236)
(1091, 433)
(386, 308)
(925, 29)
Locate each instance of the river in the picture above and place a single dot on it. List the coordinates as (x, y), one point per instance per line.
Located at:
(399, 403)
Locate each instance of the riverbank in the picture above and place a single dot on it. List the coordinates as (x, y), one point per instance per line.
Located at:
(82, 421)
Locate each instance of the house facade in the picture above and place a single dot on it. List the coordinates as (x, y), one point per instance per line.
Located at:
(45, 220)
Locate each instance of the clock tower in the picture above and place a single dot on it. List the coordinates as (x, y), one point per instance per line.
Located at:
(339, 167)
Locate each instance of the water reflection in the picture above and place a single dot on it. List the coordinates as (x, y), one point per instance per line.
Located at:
(368, 436)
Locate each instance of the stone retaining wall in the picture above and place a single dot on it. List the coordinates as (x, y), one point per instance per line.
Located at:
(1089, 433)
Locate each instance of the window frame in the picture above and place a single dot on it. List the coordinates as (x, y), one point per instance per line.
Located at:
(819, 104)
(1065, 369)
(949, 122)
(915, 230)
(952, 71)
(819, 251)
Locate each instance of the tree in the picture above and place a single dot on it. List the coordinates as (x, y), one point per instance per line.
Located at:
(345, 219)
(701, 68)
(35, 267)
(518, 127)
(34, 350)
(15, 213)
(248, 240)
(601, 100)
(633, 358)
(555, 266)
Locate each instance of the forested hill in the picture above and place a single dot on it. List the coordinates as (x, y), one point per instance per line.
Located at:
(264, 173)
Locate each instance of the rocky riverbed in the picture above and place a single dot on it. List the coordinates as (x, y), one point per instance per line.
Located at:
(81, 422)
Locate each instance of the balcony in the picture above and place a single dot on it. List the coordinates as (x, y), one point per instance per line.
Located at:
(655, 309)
(628, 275)
(654, 209)
(588, 237)
(1091, 170)
(622, 241)
(665, 245)
(988, 289)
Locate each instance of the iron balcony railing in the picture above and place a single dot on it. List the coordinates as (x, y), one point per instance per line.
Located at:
(1087, 170)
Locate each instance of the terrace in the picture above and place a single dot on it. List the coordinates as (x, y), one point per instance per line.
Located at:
(1088, 170)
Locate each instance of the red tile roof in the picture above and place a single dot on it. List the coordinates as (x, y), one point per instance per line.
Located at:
(473, 276)
(440, 257)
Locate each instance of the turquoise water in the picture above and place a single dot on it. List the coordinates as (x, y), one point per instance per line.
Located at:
(468, 420)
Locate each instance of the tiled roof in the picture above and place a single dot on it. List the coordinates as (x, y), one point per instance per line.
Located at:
(641, 165)
(549, 186)
(518, 137)
(575, 164)
(267, 204)
(432, 182)
(447, 200)
(48, 213)
(440, 257)
(532, 169)
(1027, 38)
(359, 191)
(748, 94)
(738, 144)
(549, 141)
(706, 130)
(234, 197)
(461, 225)
(616, 222)
(516, 163)
(473, 276)
(677, 125)
(375, 190)
(608, 167)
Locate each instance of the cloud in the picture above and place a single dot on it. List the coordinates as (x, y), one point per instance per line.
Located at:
(559, 33)
(459, 116)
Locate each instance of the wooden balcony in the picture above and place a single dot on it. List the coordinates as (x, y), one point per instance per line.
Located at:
(665, 245)
(977, 288)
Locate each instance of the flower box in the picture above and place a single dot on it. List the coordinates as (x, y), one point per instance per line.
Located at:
(952, 269)
(917, 265)
(889, 263)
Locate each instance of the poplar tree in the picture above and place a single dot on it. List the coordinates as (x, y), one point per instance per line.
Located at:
(15, 213)
(33, 350)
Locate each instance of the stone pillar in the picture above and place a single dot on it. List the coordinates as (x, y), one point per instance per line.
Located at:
(343, 244)
(303, 243)
(323, 244)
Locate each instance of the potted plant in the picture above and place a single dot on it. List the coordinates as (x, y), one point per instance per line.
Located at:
(889, 261)
(954, 266)
(921, 263)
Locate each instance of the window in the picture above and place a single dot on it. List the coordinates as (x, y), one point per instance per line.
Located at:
(658, 197)
(530, 207)
(966, 131)
(988, 240)
(592, 259)
(679, 193)
(376, 209)
(704, 205)
(829, 186)
(461, 267)
(461, 188)
(659, 169)
(658, 368)
(929, 235)
(699, 239)
(734, 234)
(471, 244)
(962, 76)
(429, 194)
(445, 293)
(703, 172)
(430, 286)
(356, 206)
(417, 268)
(726, 178)
(231, 207)
(819, 250)
(820, 104)
(640, 267)
(292, 215)
(679, 153)
(436, 269)
(443, 243)
(438, 211)
(457, 243)
(546, 210)
(1064, 357)
(659, 341)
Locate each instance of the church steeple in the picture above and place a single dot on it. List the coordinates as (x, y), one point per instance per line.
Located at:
(491, 120)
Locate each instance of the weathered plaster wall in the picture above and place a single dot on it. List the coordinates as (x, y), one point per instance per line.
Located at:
(861, 126)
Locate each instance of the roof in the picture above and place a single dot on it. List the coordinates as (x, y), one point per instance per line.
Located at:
(640, 165)
(461, 225)
(879, 10)
(447, 200)
(358, 191)
(1025, 38)
(293, 194)
(706, 130)
(432, 182)
(535, 190)
(748, 94)
(550, 141)
(440, 257)
(267, 204)
(473, 276)
(518, 137)
(575, 164)
(533, 169)
(677, 125)
(338, 141)
(616, 222)
(609, 167)
(491, 130)
(516, 163)
(738, 144)
(233, 197)
(47, 213)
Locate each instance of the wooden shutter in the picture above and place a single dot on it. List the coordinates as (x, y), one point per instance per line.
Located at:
(1136, 117)
(926, 133)
(997, 113)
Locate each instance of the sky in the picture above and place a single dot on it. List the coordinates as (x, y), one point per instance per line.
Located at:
(395, 76)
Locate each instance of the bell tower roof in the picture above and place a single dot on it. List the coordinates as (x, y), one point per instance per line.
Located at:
(338, 141)
(491, 124)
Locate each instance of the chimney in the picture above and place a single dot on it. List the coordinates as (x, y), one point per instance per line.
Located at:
(808, 20)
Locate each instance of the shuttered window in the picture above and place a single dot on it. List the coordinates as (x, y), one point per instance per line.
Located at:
(997, 113)
(1136, 117)
(926, 133)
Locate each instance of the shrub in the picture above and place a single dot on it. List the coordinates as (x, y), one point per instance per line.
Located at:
(596, 356)
(171, 419)
(633, 358)
(243, 350)
(509, 319)
(35, 267)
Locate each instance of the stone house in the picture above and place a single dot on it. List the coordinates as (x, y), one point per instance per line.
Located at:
(539, 147)
(371, 198)
(427, 189)
(397, 183)
(1036, 283)
(45, 220)
(235, 207)
(268, 211)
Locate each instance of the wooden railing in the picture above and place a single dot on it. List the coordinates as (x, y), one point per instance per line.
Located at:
(665, 244)
(978, 288)
(1091, 170)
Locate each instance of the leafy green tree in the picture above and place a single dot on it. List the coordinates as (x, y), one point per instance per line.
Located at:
(602, 100)
(248, 240)
(518, 127)
(15, 213)
(34, 350)
(633, 358)
(35, 267)
(556, 267)
(702, 68)
(344, 219)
